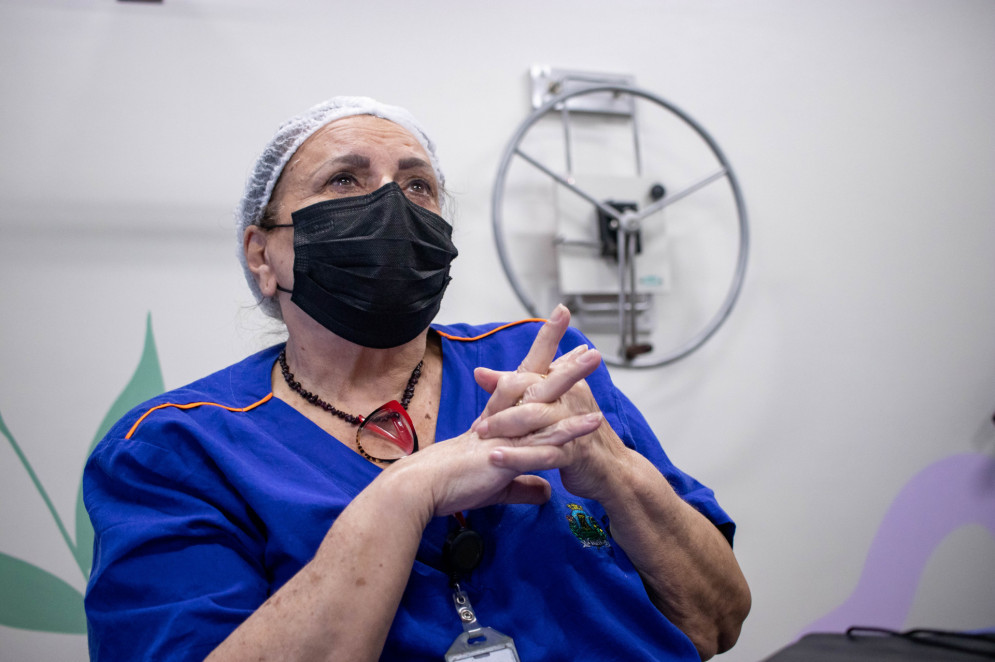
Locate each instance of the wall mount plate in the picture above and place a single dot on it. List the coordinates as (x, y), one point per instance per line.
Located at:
(548, 83)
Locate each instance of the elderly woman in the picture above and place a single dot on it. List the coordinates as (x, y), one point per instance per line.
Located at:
(258, 514)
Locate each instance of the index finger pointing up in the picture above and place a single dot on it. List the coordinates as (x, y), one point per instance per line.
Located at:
(543, 348)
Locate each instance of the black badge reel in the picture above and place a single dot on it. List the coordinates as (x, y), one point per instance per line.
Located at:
(462, 553)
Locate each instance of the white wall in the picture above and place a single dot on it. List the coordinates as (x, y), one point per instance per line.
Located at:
(861, 351)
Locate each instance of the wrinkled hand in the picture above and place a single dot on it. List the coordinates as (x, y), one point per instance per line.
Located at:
(489, 463)
(521, 400)
(461, 474)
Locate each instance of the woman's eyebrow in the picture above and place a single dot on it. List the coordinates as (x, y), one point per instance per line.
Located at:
(351, 160)
(412, 163)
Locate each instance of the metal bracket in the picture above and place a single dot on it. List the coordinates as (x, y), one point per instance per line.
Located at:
(548, 83)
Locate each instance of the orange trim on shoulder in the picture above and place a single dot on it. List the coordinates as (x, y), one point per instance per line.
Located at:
(495, 330)
(191, 405)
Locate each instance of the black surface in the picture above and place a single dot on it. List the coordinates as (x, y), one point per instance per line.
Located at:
(840, 648)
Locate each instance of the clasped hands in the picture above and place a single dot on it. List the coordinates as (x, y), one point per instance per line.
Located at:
(539, 417)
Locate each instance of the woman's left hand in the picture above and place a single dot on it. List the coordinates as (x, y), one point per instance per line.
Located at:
(687, 566)
(587, 464)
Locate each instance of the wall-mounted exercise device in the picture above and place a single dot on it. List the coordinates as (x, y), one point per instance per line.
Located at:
(615, 202)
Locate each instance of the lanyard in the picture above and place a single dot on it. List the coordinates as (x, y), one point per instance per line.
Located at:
(461, 554)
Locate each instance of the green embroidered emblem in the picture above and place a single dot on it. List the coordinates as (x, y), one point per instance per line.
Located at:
(585, 528)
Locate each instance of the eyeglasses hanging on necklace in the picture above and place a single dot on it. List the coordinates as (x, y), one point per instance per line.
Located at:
(385, 435)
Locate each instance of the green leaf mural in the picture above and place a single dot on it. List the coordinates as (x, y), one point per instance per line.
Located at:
(33, 599)
(145, 383)
(37, 600)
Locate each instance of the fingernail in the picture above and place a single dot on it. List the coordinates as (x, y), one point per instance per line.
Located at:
(482, 428)
(497, 458)
(558, 313)
(589, 358)
(577, 350)
(593, 417)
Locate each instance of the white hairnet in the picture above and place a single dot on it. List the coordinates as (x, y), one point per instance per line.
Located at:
(289, 137)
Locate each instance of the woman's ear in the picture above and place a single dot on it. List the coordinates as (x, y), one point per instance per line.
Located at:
(254, 243)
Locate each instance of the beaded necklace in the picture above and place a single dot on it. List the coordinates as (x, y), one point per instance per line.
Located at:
(409, 391)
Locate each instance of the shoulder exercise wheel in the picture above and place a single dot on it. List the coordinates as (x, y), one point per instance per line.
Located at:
(597, 257)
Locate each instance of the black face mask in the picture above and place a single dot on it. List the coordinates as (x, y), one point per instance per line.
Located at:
(372, 268)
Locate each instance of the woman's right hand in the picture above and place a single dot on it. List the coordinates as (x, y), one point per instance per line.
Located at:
(459, 474)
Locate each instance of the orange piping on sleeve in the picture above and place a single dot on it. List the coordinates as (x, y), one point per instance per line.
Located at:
(191, 405)
(495, 330)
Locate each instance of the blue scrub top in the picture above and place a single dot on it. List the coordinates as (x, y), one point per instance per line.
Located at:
(207, 499)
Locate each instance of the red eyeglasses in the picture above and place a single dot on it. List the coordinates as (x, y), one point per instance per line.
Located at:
(387, 434)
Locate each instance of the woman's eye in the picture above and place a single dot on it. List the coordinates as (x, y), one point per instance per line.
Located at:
(342, 179)
(420, 186)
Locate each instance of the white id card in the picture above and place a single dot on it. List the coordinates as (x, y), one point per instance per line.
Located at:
(485, 644)
(478, 642)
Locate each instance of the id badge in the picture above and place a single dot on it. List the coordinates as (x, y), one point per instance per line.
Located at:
(478, 642)
(486, 644)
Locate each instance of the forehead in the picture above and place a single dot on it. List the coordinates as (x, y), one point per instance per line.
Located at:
(359, 134)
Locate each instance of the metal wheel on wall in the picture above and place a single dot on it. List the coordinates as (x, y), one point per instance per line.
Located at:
(630, 216)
